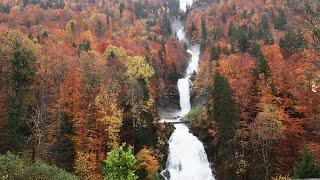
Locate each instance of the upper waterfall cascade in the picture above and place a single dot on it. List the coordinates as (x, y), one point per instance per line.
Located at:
(185, 3)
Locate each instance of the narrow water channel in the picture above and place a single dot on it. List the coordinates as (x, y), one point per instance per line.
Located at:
(187, 158)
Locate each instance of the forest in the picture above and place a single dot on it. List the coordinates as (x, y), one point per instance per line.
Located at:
(84, 84)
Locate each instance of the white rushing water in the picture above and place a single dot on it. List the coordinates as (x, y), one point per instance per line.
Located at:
(187, 158)
(185, 3)
(184, 83)
(185, 105)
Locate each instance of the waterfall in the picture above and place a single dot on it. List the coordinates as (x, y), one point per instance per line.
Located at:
(184, 4)
(184, 83)
(185, 105)
(187, 158)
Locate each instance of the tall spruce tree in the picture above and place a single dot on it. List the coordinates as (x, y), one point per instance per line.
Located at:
(215, 53)
(263, 67)
(232, 31)
(264, 31)
(204, 34)
(223, 111)
(23, 70)
(242, 41)
(280, 20)
(218, 33)
(64, 149)
(166, 25)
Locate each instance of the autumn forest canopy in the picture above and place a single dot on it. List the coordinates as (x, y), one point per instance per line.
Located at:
(83, 85)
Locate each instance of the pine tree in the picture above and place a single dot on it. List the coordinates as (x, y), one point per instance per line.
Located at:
(204, 34)
(215, 53)
(264, 31)
(5, 9)
(242, 41)
(23, 71)
(293, 42)
(139, 10)
(223, 111)
(306, 168)
(279, 21)
(263, 67)
(166, 25)
(218, 33)
(64, 148)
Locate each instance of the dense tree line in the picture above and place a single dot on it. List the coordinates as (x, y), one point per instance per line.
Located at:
(81, 84)
(258, 87)
(79, 79)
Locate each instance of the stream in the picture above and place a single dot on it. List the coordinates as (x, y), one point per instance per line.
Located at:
(187, 159)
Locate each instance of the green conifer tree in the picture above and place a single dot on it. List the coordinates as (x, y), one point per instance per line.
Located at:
(23, 70)
(306, 168)
(263, 67)
(232, 31)
(264, 31)
(215, 53)
(223, 111)
(204, 34)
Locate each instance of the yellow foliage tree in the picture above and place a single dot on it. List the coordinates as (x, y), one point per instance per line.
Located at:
(83, 167)
(114, 51)
(147, 163)
(137, 67)
(110, 114)
(267, 128)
